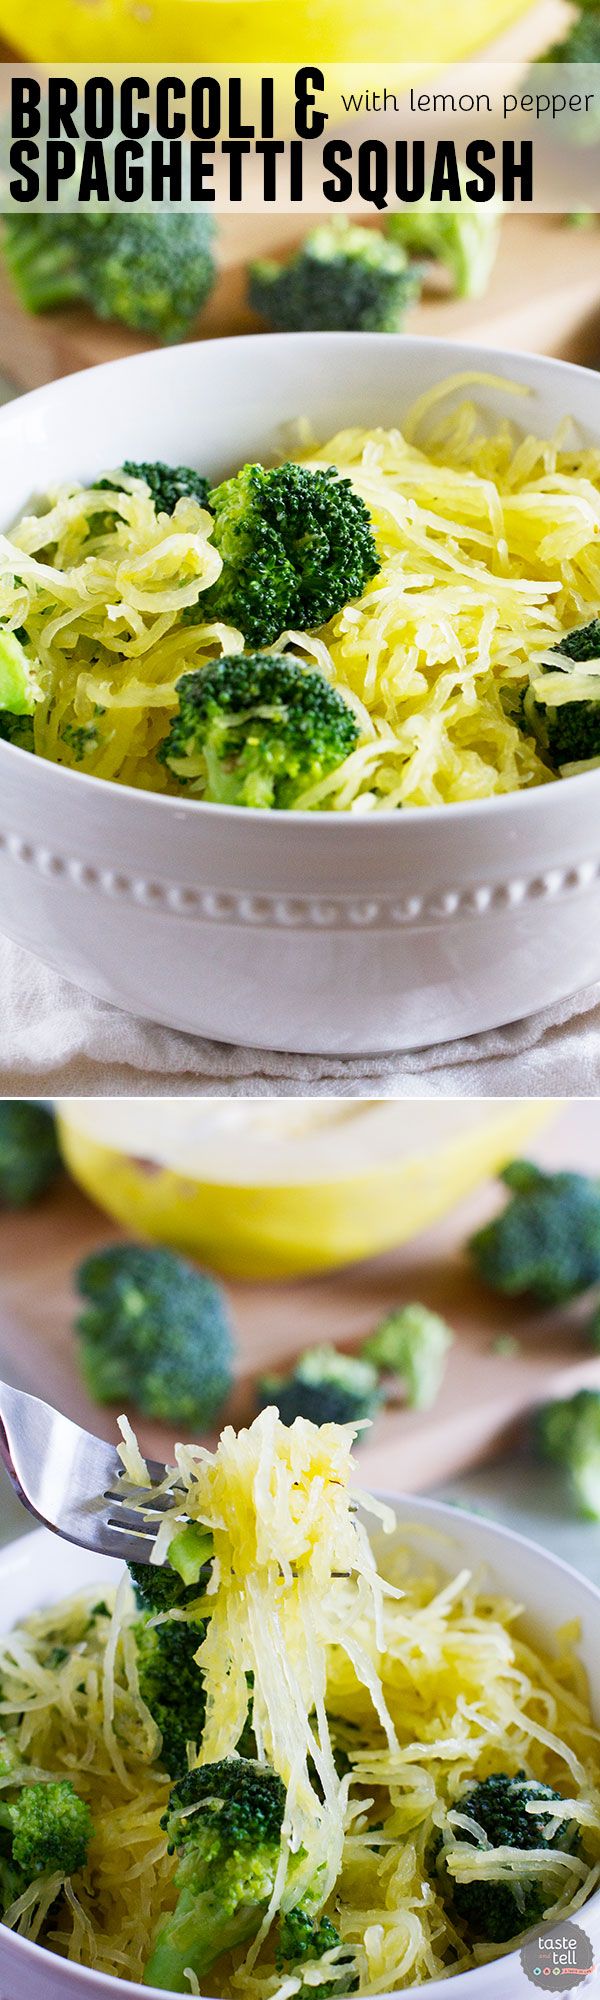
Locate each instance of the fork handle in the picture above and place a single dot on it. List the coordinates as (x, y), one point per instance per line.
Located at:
(15, 1406)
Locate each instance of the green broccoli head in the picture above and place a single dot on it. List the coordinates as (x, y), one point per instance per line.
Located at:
(172, 1685)
(567, 730)
(583, 643)
(151, 272)
(324, 1385)
(568, 1434)
(463, 239)
(154, 1333)
(18, 730)
(12, 1884)
(224, 1822)
(342, 276)
(492, 1909)
(547, 1239)
(257, 730)
(412, 1343)
(167, 483)
(296, 545)
(29, 1157)
(41, 255)
(158, 1588)
(236, 1805)
(49, 1829)
(304, 1938)
(560, 707)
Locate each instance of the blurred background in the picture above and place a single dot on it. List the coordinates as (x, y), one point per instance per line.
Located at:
(242, 31)
(330, 1266)
(532, 282)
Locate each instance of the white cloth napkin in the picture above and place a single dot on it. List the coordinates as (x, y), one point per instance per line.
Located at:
(55, 1038)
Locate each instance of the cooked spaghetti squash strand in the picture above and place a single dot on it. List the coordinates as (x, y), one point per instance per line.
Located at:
(288, 1544)
(102, 588)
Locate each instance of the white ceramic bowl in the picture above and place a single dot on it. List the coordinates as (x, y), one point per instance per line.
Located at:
(38, 1570)
(294, 931)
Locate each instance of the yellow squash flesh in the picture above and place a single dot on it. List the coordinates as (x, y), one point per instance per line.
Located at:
(246, 31)
(279, 1232)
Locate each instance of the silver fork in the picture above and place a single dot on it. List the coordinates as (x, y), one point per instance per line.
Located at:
(75, 1483)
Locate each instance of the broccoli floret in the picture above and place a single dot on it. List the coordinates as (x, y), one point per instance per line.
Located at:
(561, 705)
(493, 1910)
(583, 643)
(155, 1333)
(168, 483)
(171, 1684)
(568, 1434)
(50, 1829)
(158, 1588)
(152, 272)
(17, 729)
(302, 1939)
(47, 1829)
(567, 732)
(29, 1157)
(257, 730)
(581, 44)
(40, 252)
(12, 1884)
(325, 1386)
(342, 276)
(547, 1239)
(224, 1823)
(465, 239)
(296, 545)
(411, 1343)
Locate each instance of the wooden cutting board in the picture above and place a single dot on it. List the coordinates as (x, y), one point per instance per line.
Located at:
(485, 1395)
(544, 296)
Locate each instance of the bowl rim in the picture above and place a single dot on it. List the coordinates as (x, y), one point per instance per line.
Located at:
(498, 803)
(449, 1515)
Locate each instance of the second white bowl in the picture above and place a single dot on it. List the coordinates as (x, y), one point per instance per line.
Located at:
(297, 931)
(38, 1570)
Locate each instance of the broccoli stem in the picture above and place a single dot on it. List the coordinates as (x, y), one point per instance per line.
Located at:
(521, 1176)
(228, 788)
(196, 1935)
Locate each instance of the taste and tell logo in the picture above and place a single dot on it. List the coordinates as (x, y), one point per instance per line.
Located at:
(558, 1958)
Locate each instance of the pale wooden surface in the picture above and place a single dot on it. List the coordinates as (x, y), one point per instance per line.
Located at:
(484, 1397)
